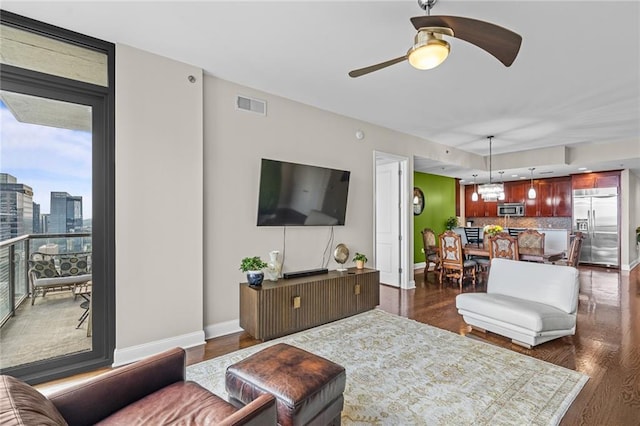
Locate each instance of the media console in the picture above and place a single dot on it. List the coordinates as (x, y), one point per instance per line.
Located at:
(287, 306)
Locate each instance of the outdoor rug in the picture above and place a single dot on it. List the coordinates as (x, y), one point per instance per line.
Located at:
(402, 372)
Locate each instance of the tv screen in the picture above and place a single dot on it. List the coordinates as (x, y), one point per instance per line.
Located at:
(301, 195)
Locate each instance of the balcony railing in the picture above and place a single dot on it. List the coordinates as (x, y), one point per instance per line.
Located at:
(14, 265)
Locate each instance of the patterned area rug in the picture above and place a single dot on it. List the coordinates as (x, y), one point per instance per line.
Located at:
(402, 372)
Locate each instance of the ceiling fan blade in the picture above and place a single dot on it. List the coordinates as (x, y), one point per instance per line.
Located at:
(376, 67)
(500, 42)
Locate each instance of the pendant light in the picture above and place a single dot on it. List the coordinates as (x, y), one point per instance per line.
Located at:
(501, 195)
(474, 196)
(532, 190)
(490, 191)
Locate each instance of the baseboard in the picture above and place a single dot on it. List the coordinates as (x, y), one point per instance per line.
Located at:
(222, 329)
(420, 265)
(630, 266)
(134, 353)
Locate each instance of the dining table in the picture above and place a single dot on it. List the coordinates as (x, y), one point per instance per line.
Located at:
(528, 254)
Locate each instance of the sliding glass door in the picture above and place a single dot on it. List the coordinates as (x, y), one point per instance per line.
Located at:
(57, 192)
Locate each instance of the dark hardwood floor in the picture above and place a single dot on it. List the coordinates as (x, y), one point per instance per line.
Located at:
(606, 346)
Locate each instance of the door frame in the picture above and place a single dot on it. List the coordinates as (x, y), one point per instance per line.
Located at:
(406, 280)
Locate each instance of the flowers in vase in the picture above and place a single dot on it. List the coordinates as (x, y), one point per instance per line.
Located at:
(492, 230)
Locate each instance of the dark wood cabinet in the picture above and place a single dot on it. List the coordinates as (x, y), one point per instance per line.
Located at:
(563, 197)
(473, 208)
(553, 198)
(544, 199)
(287, 306)
(515, 192)
(596, 180)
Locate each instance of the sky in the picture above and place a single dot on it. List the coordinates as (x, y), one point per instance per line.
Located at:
(47, 159)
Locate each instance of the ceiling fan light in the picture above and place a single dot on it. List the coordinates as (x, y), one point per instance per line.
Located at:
(425, 55)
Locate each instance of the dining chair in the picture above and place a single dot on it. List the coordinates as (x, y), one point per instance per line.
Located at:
(574, 251)
(514, 231)
(503, 246)
(473, 235)
(431, 254)
(530, 238)
(452, 261)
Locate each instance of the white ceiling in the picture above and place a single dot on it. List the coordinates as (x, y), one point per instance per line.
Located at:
(574, 84)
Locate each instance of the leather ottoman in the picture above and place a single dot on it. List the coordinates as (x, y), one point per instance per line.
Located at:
(307, 387)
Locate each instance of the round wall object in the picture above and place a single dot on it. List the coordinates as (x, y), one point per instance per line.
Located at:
(418, 201)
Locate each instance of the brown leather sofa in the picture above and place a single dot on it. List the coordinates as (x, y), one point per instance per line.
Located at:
(152, 391)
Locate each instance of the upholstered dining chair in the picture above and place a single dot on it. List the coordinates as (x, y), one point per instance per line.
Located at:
(504, 246)
(431, 255)
(574, 251)
(530, 238)
(452, 261)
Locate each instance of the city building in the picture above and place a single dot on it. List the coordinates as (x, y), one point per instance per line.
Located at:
(36, 219)
(16, 207)
(66, 217)
(66, 213)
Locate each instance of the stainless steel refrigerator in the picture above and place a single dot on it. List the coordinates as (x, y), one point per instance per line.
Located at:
(595, 214)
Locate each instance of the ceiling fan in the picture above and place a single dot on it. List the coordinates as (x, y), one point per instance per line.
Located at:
(430, 49)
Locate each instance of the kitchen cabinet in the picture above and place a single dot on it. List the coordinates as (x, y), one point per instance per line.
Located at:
(478, 208)
(596, 180)
(563, 197)
(515, 192)
(473, 208)
(553, 198)
(544, 199)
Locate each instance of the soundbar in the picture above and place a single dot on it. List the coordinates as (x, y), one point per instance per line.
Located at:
(306, 273)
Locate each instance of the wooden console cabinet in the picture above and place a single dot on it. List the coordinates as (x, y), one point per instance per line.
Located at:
(289, 305)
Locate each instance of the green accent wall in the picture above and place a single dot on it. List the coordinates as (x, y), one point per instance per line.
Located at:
(440, 204)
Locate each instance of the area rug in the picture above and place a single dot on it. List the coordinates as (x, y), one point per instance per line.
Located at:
(402, 372)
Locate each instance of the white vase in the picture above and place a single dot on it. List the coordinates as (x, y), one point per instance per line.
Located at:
(274, 266)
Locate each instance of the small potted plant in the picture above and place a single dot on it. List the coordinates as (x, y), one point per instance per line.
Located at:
(253, 267)
(451, 223)
(360, 260)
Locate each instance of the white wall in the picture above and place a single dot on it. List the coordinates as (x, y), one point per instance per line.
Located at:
(159, 183)
(235, 141)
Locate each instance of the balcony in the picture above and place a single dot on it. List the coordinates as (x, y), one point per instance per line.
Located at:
(46, 329)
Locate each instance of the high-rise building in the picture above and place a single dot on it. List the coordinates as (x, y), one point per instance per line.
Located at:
(44, 223)
(66, 213)
(65, 217)
(36, 219)
(16, 208)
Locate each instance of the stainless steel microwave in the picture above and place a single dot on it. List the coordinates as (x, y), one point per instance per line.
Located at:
(511, 209)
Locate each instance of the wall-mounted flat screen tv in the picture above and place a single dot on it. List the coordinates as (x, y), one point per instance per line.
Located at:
(294, 194)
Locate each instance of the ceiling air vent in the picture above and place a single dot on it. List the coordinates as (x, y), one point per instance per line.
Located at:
(258, 106)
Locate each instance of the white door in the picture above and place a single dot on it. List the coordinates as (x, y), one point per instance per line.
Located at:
(388, 223)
